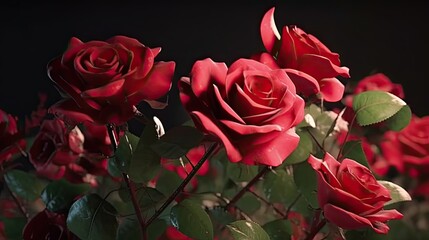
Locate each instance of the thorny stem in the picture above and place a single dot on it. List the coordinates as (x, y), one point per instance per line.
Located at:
(347, 135)
(185, 182)
(291, 205)
(130, 185)
(246, 188)
(315, 140)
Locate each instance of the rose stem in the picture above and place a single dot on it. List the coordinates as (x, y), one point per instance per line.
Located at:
(129, 183)
(278, 211)
(291, 205)
(246, 188)
(182, 186)
(316, 229)
(347, 135)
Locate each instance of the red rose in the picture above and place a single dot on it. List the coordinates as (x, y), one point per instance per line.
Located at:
(58, 152)
(104, 80)
(47, 225)
(310, 64)
(11, 141)
(97, 140)
(171, 233)
(251, 108)
(350, 196)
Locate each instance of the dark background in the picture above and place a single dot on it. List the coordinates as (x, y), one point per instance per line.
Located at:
(370, 37)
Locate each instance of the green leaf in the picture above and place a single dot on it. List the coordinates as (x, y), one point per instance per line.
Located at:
(375, 106)
(278, 229)
(353, 150)
(220, 215)
(59, 195)
(248, 203)
(190, 219)
(25, 185)
(129, 229)
(148, 198)
(145, 163)
(302, 152)
(400, 120)
(246, 230)
(306, 182)
(177, 142)
(13, 227)
(168, 182)
(239, 172)
(91, 217)
(127, 145)
(279, 186)
(397, 193)
(113, 168)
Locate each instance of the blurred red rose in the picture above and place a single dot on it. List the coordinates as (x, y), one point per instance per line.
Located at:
(97, 140)
(194, 155)
(58, 152)
(11, 141)
(171, 233)
(251, 108)
(47, 225)
(350, 196)
(105, 80)
(310, 64)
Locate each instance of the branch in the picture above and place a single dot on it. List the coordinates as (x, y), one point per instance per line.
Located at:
(247, 187)
(129, 183)
(185, 182)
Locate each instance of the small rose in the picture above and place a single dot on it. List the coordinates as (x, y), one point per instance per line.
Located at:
(47, 225)
(350, 196)
(103, 81)
(310, 64)
(251, 108)
(11, 141)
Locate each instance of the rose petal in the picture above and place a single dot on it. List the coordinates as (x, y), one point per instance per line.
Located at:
(271, 153)
(345, 219)
(212, 128)
(68, 111)
(266, 59)
(332, 89)
(269, 32)
(227, 112)
(321, 67)
(324, 51)
(206, 73)
(108, 91)
(244, 129)
(304, 83)
(154, 86)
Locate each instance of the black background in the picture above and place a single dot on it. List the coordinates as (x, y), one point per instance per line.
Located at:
(380, 36)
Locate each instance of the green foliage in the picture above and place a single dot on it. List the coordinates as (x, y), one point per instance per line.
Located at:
(302, 152)
(375, 106)
(13, 227)
(59, 195)
(124, 152)
(25, 185)
(278, 229)
(177, 141)
(91, 217)
(353, 150)
(247, 230)
(190, 219)
(400, 120)
(306, 182)
(239, 172)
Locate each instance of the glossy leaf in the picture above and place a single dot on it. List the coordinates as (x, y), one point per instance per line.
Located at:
(353, 150)
(248, 203)
(91, 217)
(306, 182)
(302, 152)
(177, 142)
(279, 186)
(13, 227)
(59, 195)
(129, 229)
(375, 106)
(400, 120)
(239, 172)
(126, 147)
(25, 185)
(168, 182)
(148, 198)
(190, 219)
(397, 193)
(278, 229)
(145, 163)
(246, 230)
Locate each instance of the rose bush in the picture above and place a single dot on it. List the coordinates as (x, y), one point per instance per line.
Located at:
(251, 108)
(11, 141)
(350, 196)
(103, 81)
(311, 65)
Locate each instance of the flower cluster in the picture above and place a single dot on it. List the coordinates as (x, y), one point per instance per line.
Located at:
(261, 156)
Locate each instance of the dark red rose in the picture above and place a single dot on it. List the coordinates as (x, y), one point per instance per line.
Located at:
(58, 152)
(171, 233)
(350, 196)
(11, 141)
(310, 64)
(251, 108)
(47, 225)
(97, 140)
(105, 80)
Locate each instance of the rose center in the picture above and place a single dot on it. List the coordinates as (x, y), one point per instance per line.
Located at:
(260, 86)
